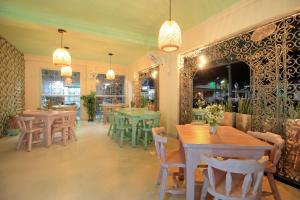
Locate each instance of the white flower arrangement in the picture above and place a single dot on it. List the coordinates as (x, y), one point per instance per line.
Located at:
(214, 114)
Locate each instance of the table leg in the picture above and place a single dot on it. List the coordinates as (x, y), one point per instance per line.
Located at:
(134, 130)
(190, 175)
(47, 132)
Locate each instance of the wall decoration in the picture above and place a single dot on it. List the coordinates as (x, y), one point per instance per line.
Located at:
(149, 73)
(12, 81)
(273, 54)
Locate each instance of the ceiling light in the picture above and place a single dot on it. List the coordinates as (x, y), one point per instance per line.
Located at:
(66, 71)
(61, 56)
(154, 74)
(202, 61)
(169, 38)
(68, 81)
(110, 74)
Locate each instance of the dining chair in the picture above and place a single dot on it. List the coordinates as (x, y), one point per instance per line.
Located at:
(144, 132)
(121, 128)
(168, 160)
(233, 179)
(64, 125)
(274, 155)
(30, 133)
(112, 125)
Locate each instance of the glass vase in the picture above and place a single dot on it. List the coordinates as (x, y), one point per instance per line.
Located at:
(213, 128)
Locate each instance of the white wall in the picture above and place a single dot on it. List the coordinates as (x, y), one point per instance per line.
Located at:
(240, 16)
(34, 65)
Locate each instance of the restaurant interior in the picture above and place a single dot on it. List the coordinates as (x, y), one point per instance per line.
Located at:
(160, 99)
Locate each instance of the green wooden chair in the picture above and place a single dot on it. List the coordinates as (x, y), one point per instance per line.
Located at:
(112, 125)
(145, 132)
(121, 128)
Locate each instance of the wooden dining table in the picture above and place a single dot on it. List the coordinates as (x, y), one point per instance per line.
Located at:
(48, 118)
(227, 142)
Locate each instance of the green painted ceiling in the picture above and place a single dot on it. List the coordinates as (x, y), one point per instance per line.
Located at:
(128, 28)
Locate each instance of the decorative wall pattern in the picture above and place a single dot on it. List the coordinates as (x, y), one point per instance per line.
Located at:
(272, 52)
(147, 73)
(12, 81)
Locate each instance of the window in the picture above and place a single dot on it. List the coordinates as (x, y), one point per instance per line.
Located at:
(55, 89)
(109, 91)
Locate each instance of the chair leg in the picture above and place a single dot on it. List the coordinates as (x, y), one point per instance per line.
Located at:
(145, 140)
(20, 141)
(273, 186)
(163, 183)
(65, 136)
(121, 137)
(29, 141)
(204, 190)
(109, 130)
(159, 176)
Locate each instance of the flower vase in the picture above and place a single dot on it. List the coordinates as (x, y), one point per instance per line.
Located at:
(213, 129)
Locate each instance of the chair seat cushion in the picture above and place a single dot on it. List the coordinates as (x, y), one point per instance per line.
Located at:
(175, 159)
(220, 185)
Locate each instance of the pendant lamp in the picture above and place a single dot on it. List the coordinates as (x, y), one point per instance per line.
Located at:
(110, 74)
(61, 56)
(169, 39)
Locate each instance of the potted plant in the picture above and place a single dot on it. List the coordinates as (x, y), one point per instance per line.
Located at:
(229, 116)
(243, 117)
(214, 116)
(89, 102)
(292, 130)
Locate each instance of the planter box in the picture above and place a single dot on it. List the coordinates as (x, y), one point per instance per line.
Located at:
(292, 128)
(243, 122)
(228, 119)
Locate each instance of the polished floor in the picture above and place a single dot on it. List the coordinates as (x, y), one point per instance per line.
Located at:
(93, 168)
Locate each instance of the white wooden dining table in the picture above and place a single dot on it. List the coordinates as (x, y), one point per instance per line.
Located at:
(48, 118)
(227, 142)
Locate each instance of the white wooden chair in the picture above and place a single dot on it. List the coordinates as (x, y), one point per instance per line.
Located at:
(65, 125)
(174, 159)
(29, 132)
(274, 155)
(233, 179)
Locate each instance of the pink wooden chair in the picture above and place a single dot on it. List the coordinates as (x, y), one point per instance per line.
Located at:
(274, 154)
(29, 133)
(233, 179)
(174, 159)
(66, 126)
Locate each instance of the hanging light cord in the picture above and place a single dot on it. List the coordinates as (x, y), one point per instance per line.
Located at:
(61, 40)
(110, 61)
(170, 8)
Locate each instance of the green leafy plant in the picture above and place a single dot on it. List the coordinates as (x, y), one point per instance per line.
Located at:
(228, 105)
(89, 102)
(244, 106)
(294, 111)
(143, 102)
(49, 104)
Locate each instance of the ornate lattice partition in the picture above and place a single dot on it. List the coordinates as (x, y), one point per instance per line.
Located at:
(144, 74)
(12, 80)
(272, 52)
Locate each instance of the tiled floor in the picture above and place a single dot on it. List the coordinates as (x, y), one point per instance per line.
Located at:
(93, 168)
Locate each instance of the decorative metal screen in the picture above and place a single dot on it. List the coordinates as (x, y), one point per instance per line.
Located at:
(273, 53)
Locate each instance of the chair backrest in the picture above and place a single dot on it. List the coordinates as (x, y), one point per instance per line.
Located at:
(252, 170)
(160, 140)
(25, 123)
(119, 119)
(275, 140)
(152, 120)
(111, 117)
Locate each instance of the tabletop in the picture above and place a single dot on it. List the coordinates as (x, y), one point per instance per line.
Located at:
(226, 137)
(44, 112)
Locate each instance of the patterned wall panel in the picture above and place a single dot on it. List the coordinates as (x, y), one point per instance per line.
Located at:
(12, 81)
(272, 53)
